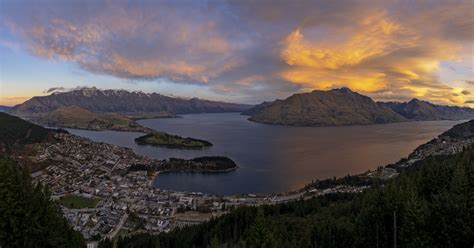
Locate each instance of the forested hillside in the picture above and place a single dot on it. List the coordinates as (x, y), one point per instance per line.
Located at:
(14, 130)
(430, 205)
(461, 131)
(28, 217)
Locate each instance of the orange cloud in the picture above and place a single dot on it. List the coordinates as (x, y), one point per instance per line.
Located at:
(390, 50)
(377, 55)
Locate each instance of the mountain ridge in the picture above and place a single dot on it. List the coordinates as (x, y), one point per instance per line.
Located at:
(120, 101)
(420, 110)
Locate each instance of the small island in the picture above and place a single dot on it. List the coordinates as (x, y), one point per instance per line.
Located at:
(199, 164)
(171, 141)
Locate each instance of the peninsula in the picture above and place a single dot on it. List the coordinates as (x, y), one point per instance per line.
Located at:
(80, 118)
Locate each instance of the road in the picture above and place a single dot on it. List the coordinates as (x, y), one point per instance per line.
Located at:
(118, 227)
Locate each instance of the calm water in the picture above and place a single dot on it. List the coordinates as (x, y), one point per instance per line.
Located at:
(275, 158)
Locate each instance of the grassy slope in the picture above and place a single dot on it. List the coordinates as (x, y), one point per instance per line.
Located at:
(76, 117)
(77, 201)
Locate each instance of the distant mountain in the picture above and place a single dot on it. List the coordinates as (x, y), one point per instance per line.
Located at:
(15, 131)
(461, 131)
(336, 107)
(426, 111)
(259, 107)
(77, 117)
(120, 101)
(4, 108)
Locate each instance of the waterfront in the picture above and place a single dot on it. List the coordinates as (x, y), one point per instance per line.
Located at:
(275, 158)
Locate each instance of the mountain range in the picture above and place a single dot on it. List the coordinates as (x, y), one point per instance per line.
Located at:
(120, 101)
(342, 107)
(337, 107)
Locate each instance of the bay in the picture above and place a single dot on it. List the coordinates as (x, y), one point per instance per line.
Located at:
(275, 158)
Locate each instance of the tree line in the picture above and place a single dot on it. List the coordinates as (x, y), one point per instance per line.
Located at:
(28, 216)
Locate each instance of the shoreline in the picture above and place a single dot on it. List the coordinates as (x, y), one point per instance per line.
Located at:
(157, 173)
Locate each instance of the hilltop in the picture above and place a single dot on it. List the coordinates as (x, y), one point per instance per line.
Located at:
(122, 102)
(77, 117)
(336, 107)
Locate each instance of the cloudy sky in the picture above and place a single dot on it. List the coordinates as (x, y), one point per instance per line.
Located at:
(240, 51)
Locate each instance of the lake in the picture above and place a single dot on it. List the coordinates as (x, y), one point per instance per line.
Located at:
(275, 158)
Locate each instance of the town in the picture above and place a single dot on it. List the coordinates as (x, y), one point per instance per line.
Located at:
(103, 194)
(121, 198)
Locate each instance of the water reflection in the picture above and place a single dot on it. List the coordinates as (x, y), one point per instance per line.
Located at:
(276, 158)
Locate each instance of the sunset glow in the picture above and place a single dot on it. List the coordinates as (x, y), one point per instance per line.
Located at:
(240, 51)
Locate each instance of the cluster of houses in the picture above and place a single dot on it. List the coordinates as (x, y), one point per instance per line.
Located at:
(438, 146)
(128, 201)
(79, 166)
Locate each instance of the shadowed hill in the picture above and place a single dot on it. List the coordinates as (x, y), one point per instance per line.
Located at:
(461, 131)
(15, 131)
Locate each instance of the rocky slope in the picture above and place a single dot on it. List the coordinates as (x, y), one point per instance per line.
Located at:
(336, 107)
(120, 101)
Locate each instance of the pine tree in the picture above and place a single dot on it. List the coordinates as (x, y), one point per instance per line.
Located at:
(259, 234)
(28, 216)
